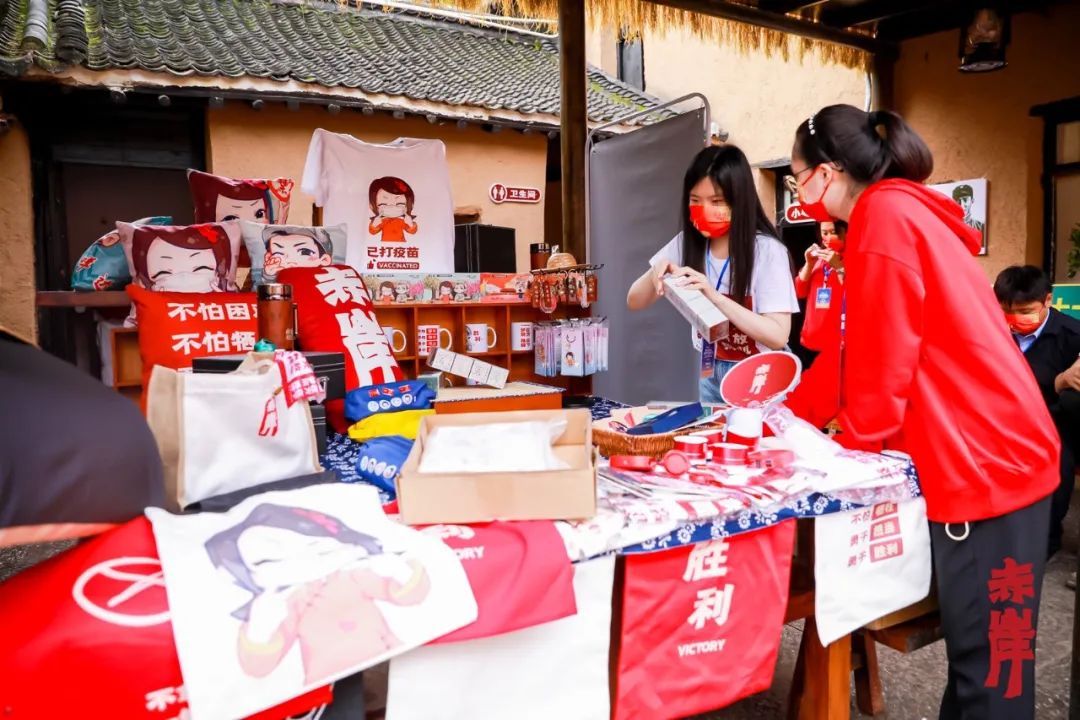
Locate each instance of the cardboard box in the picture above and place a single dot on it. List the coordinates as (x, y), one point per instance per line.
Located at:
(432, 498)
(698, 310)
(467, 367)
(329, 367)
(515, 396)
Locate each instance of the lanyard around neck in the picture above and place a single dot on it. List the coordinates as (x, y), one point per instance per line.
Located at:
(723, 270)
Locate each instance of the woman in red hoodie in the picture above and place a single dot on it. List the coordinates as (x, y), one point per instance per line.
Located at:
(821, 282)
(929, 368)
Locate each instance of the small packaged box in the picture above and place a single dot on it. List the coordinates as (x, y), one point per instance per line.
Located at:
(505, 287)
(469, 368)
(455, 288)
(398, 289)
(699, 311)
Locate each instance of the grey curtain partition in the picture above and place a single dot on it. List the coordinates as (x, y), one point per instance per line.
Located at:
(635, 191)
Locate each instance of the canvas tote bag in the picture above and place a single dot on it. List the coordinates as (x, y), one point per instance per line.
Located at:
(222, 433)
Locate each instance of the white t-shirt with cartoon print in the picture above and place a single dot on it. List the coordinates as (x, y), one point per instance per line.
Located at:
(772, 289)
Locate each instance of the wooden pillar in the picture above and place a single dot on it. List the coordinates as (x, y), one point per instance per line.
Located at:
(574, 124)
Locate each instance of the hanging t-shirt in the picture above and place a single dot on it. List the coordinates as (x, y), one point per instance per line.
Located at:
(394, 200)
(772, 289)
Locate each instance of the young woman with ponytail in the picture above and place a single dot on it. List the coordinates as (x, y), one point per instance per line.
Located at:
(928, 367)
(728, 250)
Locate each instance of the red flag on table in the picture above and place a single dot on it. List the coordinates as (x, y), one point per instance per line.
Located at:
(94, 639)
(519, 572)
(701, 624)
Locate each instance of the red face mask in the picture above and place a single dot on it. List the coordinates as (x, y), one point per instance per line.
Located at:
(708, 228)
(816, 210)
(1024, 324)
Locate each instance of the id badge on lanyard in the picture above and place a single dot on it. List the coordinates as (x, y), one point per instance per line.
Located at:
(708, 350)
(823, 296)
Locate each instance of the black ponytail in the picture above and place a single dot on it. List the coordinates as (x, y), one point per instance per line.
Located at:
(867, 146)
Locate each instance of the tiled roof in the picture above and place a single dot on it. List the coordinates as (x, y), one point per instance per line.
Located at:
(376, 52)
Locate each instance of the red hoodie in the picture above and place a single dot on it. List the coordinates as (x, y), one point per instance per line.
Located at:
(928, 366)
(821, 326)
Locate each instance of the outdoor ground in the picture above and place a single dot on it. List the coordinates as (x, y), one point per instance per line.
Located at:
(913, 683)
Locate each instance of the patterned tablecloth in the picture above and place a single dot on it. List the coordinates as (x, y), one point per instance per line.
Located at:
(631, 526)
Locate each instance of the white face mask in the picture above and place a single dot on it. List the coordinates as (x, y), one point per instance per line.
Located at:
(392, 211)
(191, 282)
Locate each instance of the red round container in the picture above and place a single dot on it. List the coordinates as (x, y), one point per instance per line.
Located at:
(638, 463)
(675, 462)
(692, 445)
(724, 453)
(711, 436)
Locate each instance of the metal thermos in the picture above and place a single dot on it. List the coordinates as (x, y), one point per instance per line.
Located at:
(277, 316)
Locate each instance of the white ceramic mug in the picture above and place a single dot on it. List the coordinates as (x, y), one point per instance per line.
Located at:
(521, 336)
(391, 333)
(428, 338)
(480, 337)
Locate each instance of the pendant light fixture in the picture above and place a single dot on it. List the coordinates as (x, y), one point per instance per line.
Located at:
(983, 41)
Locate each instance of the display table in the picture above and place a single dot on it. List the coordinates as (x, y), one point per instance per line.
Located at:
(822, 683)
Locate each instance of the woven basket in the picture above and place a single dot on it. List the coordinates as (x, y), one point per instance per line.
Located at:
(612, 442)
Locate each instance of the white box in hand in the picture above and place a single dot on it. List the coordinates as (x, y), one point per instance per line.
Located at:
(698, 310)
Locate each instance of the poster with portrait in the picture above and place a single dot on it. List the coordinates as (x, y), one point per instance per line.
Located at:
(394, 199)
(973, 197)
(291, 590)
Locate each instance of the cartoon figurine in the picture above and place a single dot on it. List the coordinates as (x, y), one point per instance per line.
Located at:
(193, 258)
(391, 200)
(296, 247)
(386, 292)
(446, 291)
(460, 291)
(401, 292)
(316, 583)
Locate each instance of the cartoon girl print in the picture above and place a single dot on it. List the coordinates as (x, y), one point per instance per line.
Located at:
(193, 258)
(313, 583)
(391, 200)
(386, 292)
(446, 291)
(295, 247)
(401, 292)
(218, 199)
(460, 291)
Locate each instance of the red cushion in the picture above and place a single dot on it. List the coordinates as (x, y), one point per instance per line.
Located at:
(219, 198)
(176, 328)
(335, 314)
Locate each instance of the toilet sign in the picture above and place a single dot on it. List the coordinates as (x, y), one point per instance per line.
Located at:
(760, 379)
(500, 194)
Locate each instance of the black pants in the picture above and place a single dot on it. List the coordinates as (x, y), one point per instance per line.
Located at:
(989, 584)
(1059, 501)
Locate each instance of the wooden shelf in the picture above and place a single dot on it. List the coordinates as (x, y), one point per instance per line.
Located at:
(127, 367)
(88, 299)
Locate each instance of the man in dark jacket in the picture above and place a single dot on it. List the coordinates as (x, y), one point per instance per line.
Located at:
(1050, 341)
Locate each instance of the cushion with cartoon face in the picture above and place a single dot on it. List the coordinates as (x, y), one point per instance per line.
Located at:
(277, 247)
(218, 199)
(182, 258)
(103, 265)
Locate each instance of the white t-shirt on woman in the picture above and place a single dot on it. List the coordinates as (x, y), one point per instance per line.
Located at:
(772, 289)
